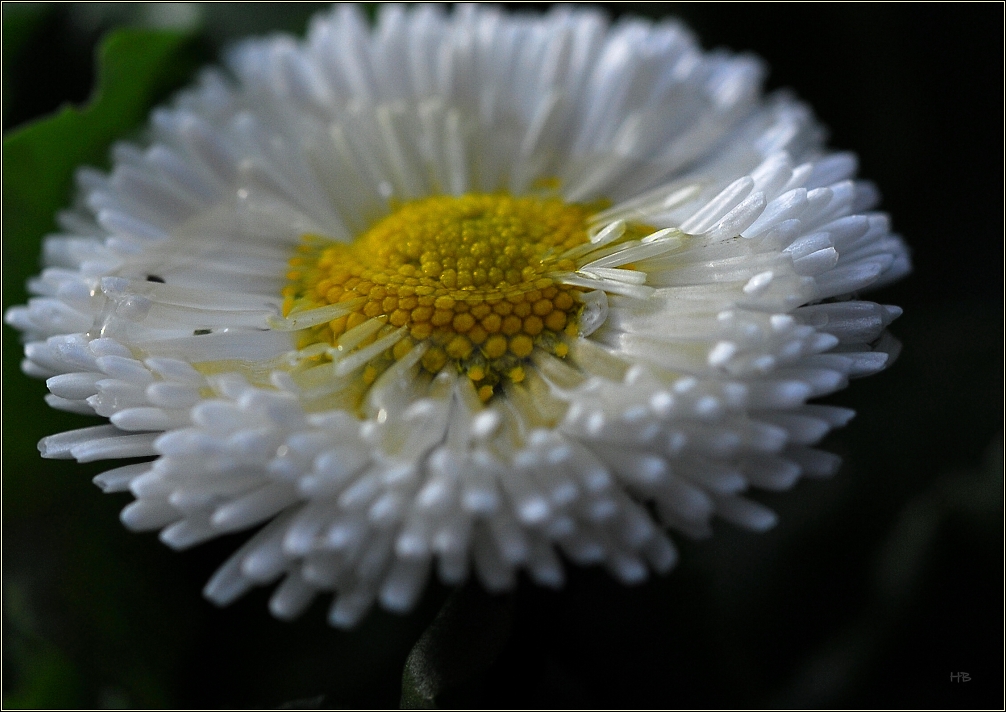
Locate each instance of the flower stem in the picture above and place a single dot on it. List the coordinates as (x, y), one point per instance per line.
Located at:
(462, 642)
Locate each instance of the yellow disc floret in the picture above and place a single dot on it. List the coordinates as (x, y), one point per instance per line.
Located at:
(471, 275)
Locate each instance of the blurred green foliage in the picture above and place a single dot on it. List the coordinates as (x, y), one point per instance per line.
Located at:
(72, 600)
(137, 68)
(875, 586)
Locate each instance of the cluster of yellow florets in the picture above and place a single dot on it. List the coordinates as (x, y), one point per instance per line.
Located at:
(469, 274)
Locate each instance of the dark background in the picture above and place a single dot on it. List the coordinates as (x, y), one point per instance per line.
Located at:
(875, 587)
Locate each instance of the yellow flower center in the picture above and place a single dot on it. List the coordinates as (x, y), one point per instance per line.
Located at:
(470, 276)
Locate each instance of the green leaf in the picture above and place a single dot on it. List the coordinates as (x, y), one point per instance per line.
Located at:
(60, 542)
(136, 68)
(462, 642)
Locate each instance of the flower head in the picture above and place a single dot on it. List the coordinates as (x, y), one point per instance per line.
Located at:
(460, 293)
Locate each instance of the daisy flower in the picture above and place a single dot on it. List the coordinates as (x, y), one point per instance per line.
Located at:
(465, 293)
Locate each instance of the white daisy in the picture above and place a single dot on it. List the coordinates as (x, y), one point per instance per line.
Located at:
(466, 291)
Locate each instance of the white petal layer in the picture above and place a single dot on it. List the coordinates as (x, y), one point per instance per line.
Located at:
(687, 386)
